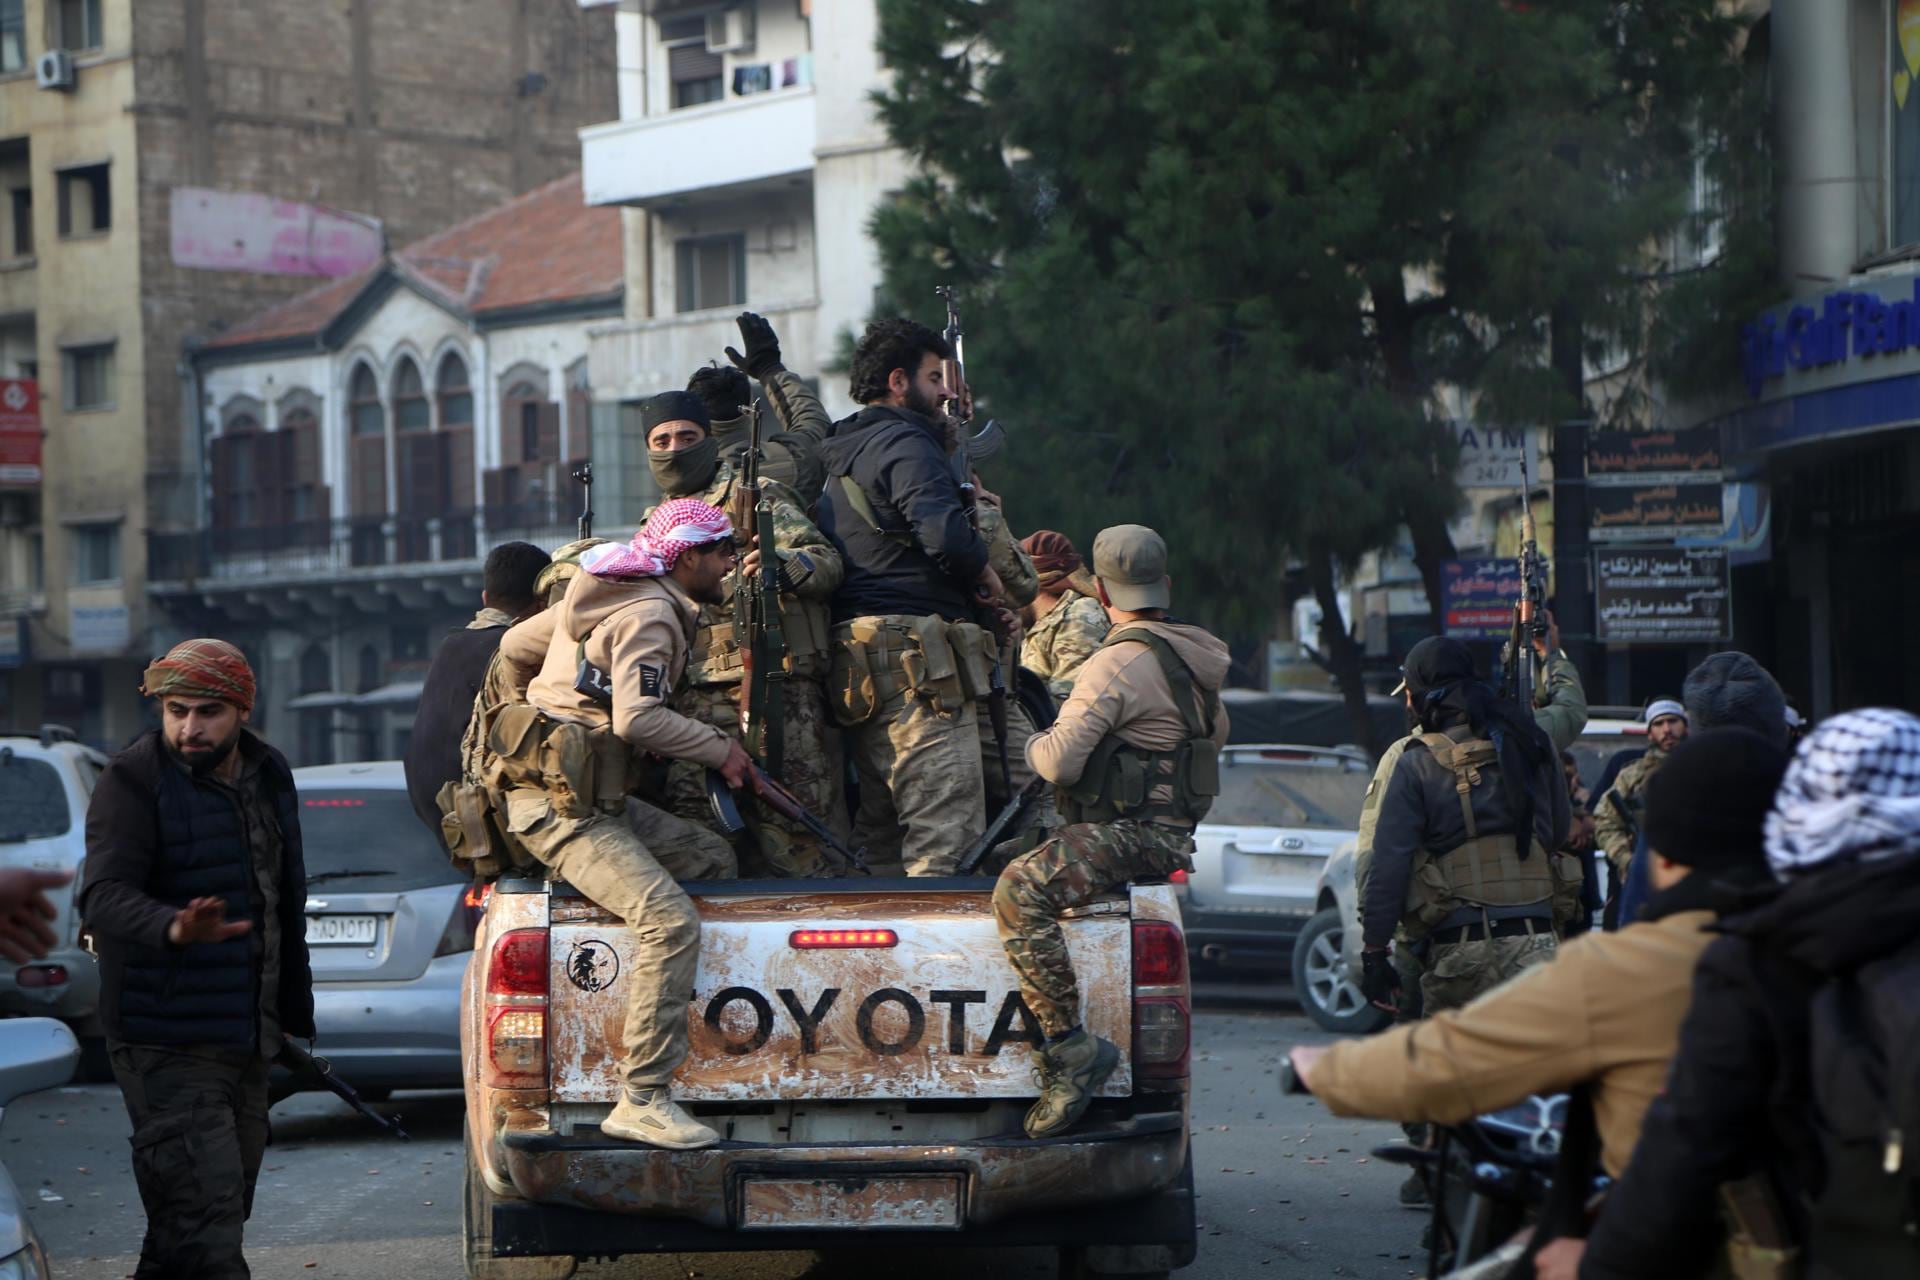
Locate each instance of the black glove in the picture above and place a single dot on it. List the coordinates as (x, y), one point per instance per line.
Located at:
(763, 347)
(1379, 980)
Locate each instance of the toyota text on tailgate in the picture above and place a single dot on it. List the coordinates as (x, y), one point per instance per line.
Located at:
(865, 1054)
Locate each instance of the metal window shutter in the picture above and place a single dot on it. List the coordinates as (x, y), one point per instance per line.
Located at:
(692, 62)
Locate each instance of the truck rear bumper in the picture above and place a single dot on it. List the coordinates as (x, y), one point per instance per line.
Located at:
(587, 1195)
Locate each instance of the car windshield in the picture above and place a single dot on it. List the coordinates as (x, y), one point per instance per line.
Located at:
(1284, 789)
(33, 804)
(349, 834)
(1592, 752)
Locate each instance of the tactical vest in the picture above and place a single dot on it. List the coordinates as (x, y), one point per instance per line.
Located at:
(1176, 787)
(1485, 877)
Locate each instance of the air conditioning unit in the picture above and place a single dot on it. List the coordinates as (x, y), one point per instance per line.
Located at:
(730, 30)
(55, 69)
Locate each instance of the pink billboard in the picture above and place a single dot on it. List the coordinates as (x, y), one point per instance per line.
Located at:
(246, 231)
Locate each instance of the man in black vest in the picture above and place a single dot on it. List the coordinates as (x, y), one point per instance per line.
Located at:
(459, 666)
(195, 894)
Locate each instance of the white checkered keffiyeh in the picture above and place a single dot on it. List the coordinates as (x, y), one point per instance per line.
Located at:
(1851, 794)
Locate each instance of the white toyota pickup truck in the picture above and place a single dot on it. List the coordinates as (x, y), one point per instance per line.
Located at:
(863, 1049)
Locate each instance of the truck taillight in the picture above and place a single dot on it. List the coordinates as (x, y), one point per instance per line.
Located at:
(1162, 1020)
(517, 1010)
(841, 939)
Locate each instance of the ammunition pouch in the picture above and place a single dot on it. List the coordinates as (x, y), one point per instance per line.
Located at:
(717, 658)
(878, 660)
(1176, 787)
(582, 770)
(473, 834)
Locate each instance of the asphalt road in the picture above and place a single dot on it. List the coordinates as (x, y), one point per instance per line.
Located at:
(1285, 1189)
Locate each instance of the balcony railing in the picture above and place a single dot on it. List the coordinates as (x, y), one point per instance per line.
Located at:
(322, 549)
(731, 148)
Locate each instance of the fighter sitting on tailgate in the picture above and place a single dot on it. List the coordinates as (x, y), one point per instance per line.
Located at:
(1136, 755)
(596, 671)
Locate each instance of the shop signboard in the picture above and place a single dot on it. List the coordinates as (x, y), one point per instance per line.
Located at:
(1662, 595)
(1493, 457)
(1655, 486)
(19, 431)
(1478, 596)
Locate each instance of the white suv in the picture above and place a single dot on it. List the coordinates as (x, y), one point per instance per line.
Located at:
(45, 784)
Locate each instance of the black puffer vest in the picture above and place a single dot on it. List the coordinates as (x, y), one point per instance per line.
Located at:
(207, 993)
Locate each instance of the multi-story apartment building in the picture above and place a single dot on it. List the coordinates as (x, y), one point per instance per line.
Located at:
(109, 110)
(747, 158)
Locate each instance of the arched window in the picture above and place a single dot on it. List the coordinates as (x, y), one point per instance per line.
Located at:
(316, 669)
(372, 671)
(237, 474)
(456, 396)
(410, 411)
(306, 497)
(369, 419)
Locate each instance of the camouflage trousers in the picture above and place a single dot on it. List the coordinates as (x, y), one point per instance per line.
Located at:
(1457, 973)
(1077, 864)
(613, 863)
(811, 769)
(920, 793)
(199, 1135)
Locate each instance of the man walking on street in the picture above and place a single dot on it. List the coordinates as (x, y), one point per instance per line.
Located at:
(195, 891)
(596, 671)
(459, 669)
(909, 662)
(1146, 706)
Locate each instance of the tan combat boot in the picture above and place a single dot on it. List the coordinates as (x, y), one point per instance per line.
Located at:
(657, 1120)
(1071, 1073)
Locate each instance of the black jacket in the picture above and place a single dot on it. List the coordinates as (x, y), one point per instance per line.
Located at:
(1421, 810)
(1740, 1099)
(446, 705)
(158, 837)
(925, 557)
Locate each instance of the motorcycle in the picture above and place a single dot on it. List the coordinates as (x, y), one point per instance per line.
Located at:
(1491, 1178)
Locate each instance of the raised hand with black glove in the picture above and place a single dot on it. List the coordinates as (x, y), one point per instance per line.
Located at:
(1379, 980)
(763, 346)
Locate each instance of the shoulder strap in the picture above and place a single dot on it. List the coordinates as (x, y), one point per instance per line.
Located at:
(862, 505)
(1453, 757)
(1179, 679)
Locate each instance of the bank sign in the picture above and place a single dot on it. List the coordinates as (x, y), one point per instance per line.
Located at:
(1825, 335)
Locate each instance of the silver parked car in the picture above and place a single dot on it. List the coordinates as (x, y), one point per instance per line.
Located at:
(390, 927)
(45, 783)
(35, 1054)
(1258, 859)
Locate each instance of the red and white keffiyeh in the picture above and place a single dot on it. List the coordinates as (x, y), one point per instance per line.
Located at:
(671, 529)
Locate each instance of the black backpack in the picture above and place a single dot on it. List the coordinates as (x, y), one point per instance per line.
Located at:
(1864, 1060)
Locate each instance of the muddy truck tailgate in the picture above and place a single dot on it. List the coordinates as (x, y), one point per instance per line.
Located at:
(855, 992)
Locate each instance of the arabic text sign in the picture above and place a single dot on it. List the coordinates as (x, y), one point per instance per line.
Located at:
(1654, 457)
(19, 431)
(1478, 597)
(1490, 457)
(1663, 595)
(246, 231)
(1656, 513)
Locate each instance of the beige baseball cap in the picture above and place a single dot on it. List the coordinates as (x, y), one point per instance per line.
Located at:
(1131, 562)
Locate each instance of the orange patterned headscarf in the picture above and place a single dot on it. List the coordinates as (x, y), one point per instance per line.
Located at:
(202, 669)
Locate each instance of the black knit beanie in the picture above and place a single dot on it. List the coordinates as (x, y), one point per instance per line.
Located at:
(1731, 689)
(673, 406)
(1707, 802)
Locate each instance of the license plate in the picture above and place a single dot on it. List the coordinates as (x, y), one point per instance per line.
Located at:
(917, 1204)
(346, 931)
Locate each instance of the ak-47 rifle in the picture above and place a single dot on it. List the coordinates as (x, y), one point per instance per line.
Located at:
(782, 801)
(1530, 612)
(959, 407)
(996, 831)
(306, 1070)
(584, 474)
(756, 614)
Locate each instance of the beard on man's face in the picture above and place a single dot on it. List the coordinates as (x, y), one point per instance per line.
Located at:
(920, 402)
(201, 754)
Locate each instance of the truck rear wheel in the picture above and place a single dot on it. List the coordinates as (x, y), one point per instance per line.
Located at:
(476, 1231)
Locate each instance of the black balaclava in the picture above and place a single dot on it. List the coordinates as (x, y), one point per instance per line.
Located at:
(1446, 692)
(680, 472)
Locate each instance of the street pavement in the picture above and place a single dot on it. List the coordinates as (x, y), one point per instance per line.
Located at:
(1284, 1189)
